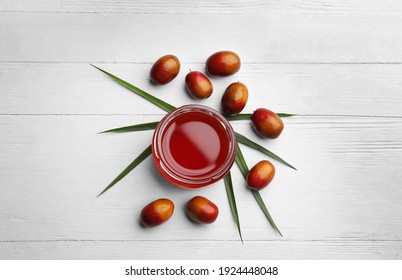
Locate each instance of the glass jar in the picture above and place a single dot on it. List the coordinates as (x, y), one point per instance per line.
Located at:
(194, 146)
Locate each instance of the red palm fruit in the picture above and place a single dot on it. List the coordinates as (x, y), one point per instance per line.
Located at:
(234, 99)
(157, 212)
(223, 63)
(198, 85)
(267, 123)
(202, 210)
(260, 175)
(165, 69)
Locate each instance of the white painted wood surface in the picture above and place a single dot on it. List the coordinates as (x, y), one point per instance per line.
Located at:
(336, 63)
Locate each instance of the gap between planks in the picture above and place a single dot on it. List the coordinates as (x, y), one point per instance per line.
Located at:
(204, 240)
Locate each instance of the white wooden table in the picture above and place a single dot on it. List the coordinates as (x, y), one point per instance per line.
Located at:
(338, 64)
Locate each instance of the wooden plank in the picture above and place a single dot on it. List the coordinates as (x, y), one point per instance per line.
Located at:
(280, 38)
(330, 7)
(372, 90)
(178, 250)
(347, 186)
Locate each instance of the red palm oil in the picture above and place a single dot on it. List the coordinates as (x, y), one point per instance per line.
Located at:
(194, 146)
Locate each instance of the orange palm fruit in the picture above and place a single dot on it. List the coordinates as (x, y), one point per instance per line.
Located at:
(157, 212)
(202, 210)
(260, 175)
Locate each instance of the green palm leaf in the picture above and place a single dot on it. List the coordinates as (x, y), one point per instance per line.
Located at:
(158, 102)
(147, 152)
(264, 209)
(285, 115)
(137, 127)
(239, 117)
(245, 141)
(241, 163)
(248, 116)
(232, 201)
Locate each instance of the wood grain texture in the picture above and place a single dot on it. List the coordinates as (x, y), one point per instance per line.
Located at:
(204, 250)
(329, 7)
(336, 63)
(329, 197)
(369, 90)
(257, 38)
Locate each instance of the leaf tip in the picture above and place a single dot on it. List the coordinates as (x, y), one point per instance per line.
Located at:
(278, 231)
(108, 187)
(96, 67)
(291, 166)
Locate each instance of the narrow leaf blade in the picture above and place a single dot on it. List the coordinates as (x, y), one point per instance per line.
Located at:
(158, 102)
(285, 115)
(248, 116)
(137, 127)
(239, 117)
(264, 209)
(241, 163)
(232, 201)
(147, 152)
(245, 141)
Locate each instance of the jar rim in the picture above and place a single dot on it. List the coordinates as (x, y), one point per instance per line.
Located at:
(199, 180)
